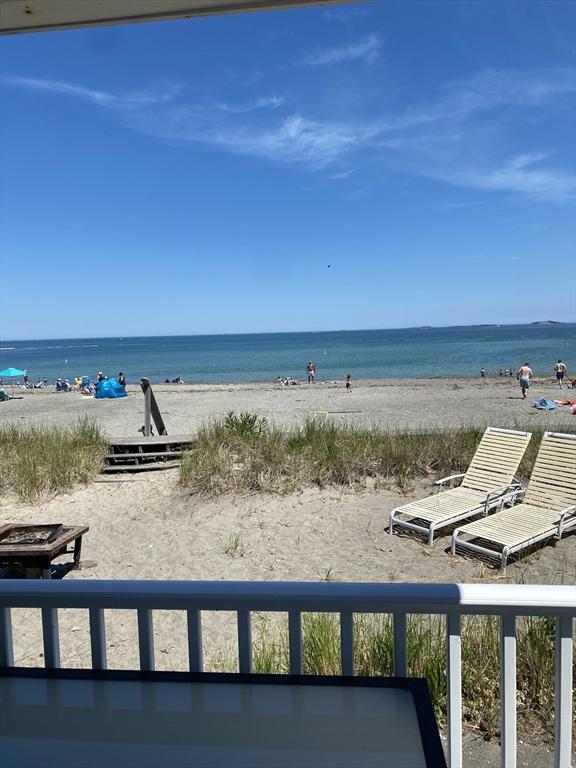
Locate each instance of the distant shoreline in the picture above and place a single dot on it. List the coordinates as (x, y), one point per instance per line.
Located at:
(204, 335)
(539, 377)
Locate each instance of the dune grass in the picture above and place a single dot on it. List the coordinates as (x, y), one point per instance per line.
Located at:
(39, 461)
(373, 655)
(244, 453)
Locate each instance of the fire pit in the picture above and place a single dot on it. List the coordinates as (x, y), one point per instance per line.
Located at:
(35, 546)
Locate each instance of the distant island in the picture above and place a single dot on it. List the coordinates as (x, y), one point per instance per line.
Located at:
(547, 322)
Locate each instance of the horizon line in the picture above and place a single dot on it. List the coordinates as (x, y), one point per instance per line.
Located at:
(286, 333)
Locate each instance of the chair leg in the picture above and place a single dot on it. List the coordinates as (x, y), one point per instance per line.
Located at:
(453, 545)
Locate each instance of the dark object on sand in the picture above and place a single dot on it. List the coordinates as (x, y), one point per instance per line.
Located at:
(35, 546)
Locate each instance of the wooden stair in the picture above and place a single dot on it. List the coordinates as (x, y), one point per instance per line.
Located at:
(143, 454)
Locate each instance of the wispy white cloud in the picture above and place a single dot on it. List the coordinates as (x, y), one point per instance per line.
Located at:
(294, 140)
(519, 174)
(447, 139)
(100, 98)
(341, 175)
(264, 102)
(367, 49)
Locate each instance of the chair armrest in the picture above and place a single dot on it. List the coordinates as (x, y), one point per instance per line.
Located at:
(567, 511)
(500, 490)
(447, 479)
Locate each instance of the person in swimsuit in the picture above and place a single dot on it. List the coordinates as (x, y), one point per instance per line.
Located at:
(523, 375)
(560, 369)
(311, 372)
(348, 383)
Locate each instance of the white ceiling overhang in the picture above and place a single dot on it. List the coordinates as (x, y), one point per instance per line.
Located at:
(19, 16)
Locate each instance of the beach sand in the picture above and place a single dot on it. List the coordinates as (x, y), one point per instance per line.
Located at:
(397, 404)
(145, 527)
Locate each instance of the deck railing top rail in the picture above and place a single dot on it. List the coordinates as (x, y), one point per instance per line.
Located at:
(516, 599)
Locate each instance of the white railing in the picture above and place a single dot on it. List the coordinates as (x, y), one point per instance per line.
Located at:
(451, 600)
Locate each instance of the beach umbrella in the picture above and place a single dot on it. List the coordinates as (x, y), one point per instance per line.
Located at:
(11, 373)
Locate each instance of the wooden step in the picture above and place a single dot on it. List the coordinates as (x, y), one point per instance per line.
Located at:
(151, 466)
(143, 455)
(152, 440)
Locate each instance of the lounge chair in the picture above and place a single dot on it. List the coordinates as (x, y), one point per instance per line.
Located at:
(488, 483)
(547, 510)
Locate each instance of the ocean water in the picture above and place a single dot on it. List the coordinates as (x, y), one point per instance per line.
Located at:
(373, 354)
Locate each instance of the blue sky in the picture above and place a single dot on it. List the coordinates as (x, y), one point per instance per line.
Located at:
(363, 166)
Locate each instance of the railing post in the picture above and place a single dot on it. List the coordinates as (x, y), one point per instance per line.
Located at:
(295, 642)
(6, 650)
(563, 693)
(145, 639)
(508, 691)
(400, 645)
(244, 642)
(51, 638)
(195, 660)
(347, 642)
(454, 689)
(98, 638)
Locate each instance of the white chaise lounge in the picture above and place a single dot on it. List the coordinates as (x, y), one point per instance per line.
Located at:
(488, 484)
(547, 511)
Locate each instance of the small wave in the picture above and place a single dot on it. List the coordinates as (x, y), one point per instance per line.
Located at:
(2, 349)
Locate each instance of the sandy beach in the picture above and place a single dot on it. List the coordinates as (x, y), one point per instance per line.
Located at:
(396, 404)
(146, 527)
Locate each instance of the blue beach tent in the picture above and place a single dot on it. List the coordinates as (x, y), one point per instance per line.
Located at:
(110, 388)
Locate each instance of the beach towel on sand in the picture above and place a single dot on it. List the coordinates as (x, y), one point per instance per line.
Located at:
(545, 405)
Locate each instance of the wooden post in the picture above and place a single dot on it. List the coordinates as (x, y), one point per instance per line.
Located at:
(147, 409)
(151, 409)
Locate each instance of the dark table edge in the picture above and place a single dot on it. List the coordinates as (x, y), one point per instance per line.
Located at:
(418, 686)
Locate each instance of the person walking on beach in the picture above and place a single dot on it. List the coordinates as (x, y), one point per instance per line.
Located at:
(482, 373)
(348, 383)
(122, 380)
(311, 372)
(524, 375)
(560, 369)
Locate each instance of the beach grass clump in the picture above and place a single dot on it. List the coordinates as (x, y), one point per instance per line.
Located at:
(39, 461)
(245, 453)
(426, 648)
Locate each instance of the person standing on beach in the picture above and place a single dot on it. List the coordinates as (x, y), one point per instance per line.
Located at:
(348, 383)
(524, 375)
(311, 372)
(560, 369)
(122, 380)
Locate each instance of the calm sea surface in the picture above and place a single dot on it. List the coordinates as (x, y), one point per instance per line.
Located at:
(403, 353)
